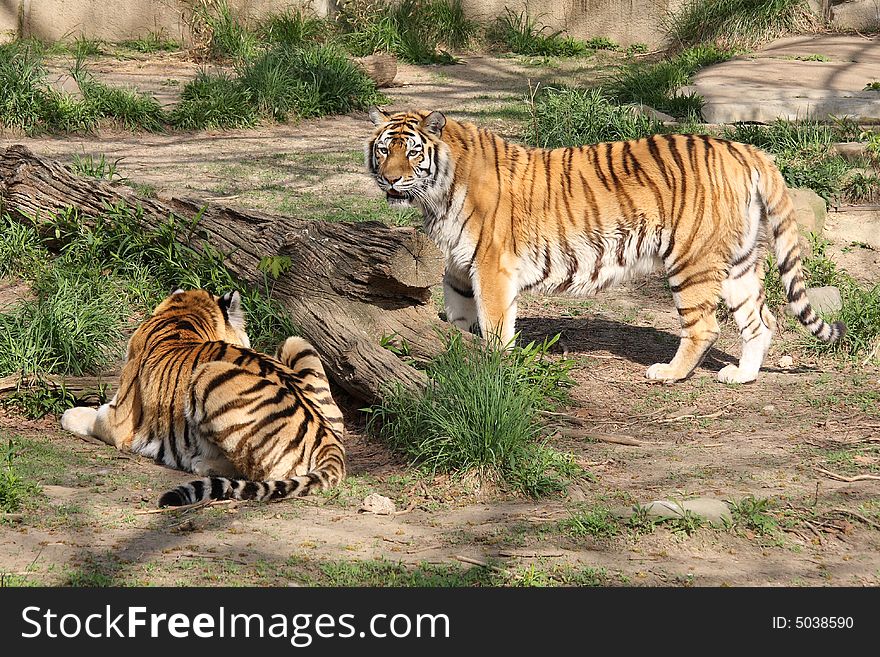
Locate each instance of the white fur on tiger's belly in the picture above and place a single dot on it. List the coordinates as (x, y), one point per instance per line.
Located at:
(80, 420)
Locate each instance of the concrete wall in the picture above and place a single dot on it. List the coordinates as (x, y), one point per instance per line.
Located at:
(623, 21)
(115, 20)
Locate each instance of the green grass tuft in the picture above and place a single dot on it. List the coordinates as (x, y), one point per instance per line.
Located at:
(417, 31)
(737, 23)
(214, 101)
(524, 35)
(152, 43)
(295, 28)
(14, 490)
(597, 522)
(225, 32)
(481, 413)
(572, 117)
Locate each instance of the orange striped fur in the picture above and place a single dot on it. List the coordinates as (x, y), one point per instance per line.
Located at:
(575, 220)
(195, 397)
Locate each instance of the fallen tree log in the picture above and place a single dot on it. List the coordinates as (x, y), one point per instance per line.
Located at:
(349, 286)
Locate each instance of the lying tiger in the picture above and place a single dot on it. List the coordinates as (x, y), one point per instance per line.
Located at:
(510, 218)
(195, 397)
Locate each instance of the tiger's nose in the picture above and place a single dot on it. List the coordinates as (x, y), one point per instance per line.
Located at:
(392, 181)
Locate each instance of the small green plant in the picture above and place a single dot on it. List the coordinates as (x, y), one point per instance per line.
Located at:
(636, 49)
(38, 401)
(872, 142)
(736, 23)
(604, 43)
(751, 513)
(151, 43)
(687, 523)
(395, 344)
(481, 413)
(85, 47)
(872, 86)
(102, 168)
(13, 489)
(640, 522)
(597, 522)
(522, 34)
(862, 187)
(572, 117)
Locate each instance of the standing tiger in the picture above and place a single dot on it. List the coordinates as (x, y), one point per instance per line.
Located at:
(194, 396)
(510, 218)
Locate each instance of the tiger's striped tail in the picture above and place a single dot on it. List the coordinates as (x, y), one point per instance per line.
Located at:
(780, 213)
(329, 473)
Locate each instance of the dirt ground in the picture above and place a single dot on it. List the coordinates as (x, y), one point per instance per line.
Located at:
(777, 439)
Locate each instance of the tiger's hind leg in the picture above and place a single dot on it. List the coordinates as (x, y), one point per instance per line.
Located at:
(696, 291)
(300, 356)
(744, 295)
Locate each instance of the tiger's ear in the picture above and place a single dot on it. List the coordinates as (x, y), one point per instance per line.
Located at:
(230, 303)
(433, 123)
(178, 290)
(377, 116)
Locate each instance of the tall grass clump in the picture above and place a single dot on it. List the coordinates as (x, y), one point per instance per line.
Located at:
(214, 101)
(295, 27)
(107, 271)
(285, 80)
(572, 117)
(25, 98)
(737, 23)
(151, 43)
(221, 32)
(129, 108)
(417, 31)
(313, 81)
(14, 489)
(657, 84)
(522, 34)
(73, 327)
(480, 413)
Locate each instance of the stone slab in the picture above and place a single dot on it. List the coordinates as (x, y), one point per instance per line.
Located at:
(772, 84)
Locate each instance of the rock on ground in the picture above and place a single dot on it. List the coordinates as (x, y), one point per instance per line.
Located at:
(378, 504)
(772, 83)
(716, 512)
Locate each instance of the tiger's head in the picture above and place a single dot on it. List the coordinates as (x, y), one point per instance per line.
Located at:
(407, 157)
(213, 318)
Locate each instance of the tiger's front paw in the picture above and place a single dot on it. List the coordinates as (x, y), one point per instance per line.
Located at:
(662, 372)
(80, 420)
(733, 374)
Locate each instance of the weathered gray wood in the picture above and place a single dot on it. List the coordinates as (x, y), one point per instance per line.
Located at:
(349, 286)
(84, 388)
(381, 68)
